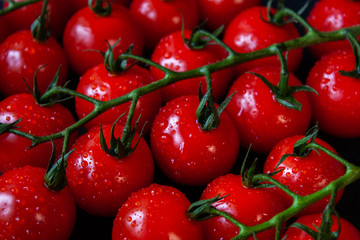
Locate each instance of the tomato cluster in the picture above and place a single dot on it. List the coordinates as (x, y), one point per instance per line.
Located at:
(133, 170)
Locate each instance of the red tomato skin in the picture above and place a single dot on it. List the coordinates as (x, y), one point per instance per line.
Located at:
(100, 182)
(337, 106)
(36, 120)
(187, 154)
(22, 18)
(98, 83)
(171, 52)
(247, 32)
(305, 175)
(259, 118)
(146, 216)
(87, 31)
(348, 231)
(249, 206)
(331, 15)
(21, 56)
(29, 210)
(158, 18)
(221, 12)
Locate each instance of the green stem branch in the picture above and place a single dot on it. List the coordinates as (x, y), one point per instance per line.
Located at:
(16, 5)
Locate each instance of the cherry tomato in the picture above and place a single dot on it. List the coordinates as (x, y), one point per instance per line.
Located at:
(259, 118)
(348, 231)
(98, 83)
(171, 52)
(21, 56)
(331, 15)
(101, 183)
(304, 175)
(36, 120)
(87, 31)
(156, 212)
(29, 210)
(22, 18)
(186, 153)
(248, 32)
(249, 206)
(221, 12)
(337, 106)
(159, 18)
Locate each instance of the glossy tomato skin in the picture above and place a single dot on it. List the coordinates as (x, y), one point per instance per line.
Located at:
(171, 52)
(221, 12)
(259, 118)
(305, 175)
(348, 231)
(247, 32)
(187, 154)
(21, 56)
(29, 210)
(98, 83)
(87, 31)
(36, 120)
(249, 206)
(159, 18)
(22, 18)
(156, 212)
(100, 182)
(337, 106)
(331, 15)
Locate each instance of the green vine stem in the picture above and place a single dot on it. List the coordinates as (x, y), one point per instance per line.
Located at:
(15, 5)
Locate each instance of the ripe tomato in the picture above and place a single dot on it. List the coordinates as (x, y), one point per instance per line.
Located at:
(21, 56)
(221, 12)
(259, 118)
(337, 106)
(247, 32)
(304, 175)
(22, 18)
(87, 31)
(331, 15)
(98, 83)
(249, 206)
(348, 231)
(101, 183)
(171, 52)
(155, 212)
(36, 120)
(186, 153)
(29, 210)
(158, 18)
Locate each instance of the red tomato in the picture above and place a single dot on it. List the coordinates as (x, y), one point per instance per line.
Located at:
(159, 18)
(22, 18)
(221, 12)
(78, 4)
(337, 106)
(304, 175)
(21, 56)
(331, 15)
(98, 83)
(186, 153)
(348, 231)
(88, 31)
(259, 118)
(101, 183)
(29, 210)
(249, 206)
(171, 52)
(156, 212)
(247, 32)
(37, 120)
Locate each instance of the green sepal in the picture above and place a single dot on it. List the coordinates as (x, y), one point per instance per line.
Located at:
(356, 49)
(118, 65)
(38, 28)
(247, 175)
(200, 210)
(99, 8)
(5, 127)
(55, 176)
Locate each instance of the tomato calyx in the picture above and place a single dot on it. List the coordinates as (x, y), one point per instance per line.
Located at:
(120, 147)
(39, 28)
(101, 8)
(355, 45)
(203, 210)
